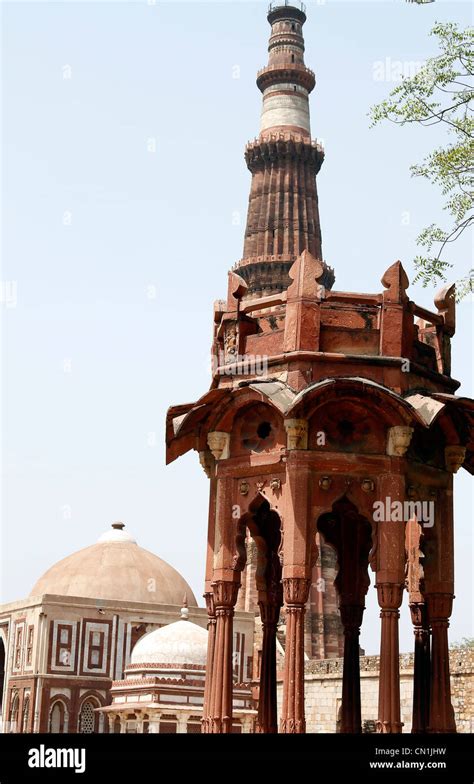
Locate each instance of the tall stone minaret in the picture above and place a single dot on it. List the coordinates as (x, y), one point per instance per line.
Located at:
(283, 215)
(283, 220)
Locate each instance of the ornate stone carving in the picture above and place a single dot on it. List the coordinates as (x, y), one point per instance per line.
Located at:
(219, 443)
(225, 594)
(297, 433)
(295, 590)
(207, 462)
(399, 438)
(244, 487)
(230, 343)
(275, 484)
(389, 595)
(454, 457)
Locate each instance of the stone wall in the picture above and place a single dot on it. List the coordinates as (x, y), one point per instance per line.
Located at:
(323, 691)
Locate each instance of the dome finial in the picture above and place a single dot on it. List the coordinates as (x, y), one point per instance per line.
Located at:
(118, 526)
(184, 609)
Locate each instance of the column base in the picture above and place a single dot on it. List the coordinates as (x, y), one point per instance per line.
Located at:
(389, 727)
(293, 726)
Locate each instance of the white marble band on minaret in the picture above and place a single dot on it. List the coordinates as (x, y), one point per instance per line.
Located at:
(285, 107)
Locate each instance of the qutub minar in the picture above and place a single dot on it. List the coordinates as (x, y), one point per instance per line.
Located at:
(356, 407)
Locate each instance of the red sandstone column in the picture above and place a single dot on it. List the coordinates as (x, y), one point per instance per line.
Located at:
(267, 721)
(211, 628)
(351, 616)
(225, 596)
(209, 464)
(292, 716)
(390, 599)
(441, 709)
(390, 582)
(421, 674)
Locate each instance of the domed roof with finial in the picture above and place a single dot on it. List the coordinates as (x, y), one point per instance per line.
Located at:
(182, 643)
(115, 568)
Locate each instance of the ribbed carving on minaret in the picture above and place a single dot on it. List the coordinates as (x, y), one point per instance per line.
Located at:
(283, 214)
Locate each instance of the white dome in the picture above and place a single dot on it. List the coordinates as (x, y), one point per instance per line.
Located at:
(117, 534)
(182, 642)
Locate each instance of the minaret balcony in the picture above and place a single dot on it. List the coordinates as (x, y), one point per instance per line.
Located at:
(294, 73)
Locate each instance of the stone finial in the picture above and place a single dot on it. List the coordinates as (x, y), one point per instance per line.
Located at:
(396, 281)
(297, 433)
(305, 273)
(445, 303)
(237, 288)
(219, 443)
(454, 457)
(398, 441)
(184, 609)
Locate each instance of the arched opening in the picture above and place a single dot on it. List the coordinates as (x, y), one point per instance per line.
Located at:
(58, 717)
(350, 534)
(13, 718)
(88, 719)
(264, 526)
(131, 725)
(117, 726)
(168, 724)
(26, 714)
(193, 726)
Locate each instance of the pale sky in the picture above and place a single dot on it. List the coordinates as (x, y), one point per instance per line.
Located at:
(117, 251)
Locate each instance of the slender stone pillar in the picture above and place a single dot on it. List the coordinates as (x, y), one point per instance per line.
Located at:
(421, 674)
(390, 599)
(351, 616)
(267, 721)
(441, 710)
(211, 639)
(225, 596)
(292, 716)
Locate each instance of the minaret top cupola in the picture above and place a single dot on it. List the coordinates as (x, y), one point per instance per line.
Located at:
(286, 82)
(283, 213)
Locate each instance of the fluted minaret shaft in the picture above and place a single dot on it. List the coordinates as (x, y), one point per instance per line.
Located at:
(283, 215)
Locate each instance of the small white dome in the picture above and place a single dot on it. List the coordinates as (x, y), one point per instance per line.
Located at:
(182, 642)
(116, 534)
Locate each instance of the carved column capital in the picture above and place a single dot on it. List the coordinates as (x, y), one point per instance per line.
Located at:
(454, 457)
(297, 433)
(219, 443)
(418, 616)
(389, 596)
(398, 440)
(295, 591)
(351, 617)
(225, 595)
(269, 613)
(440, 607)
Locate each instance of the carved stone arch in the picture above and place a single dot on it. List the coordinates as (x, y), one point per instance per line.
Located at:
(389, 405)
(249, 521)
(362, 500)
(227, 409)
(330, 526)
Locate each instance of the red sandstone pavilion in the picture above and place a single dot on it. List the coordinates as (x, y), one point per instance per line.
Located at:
(356, 407)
